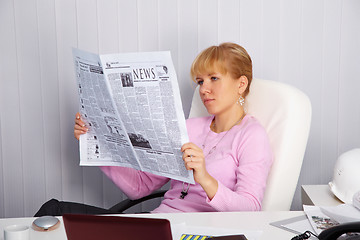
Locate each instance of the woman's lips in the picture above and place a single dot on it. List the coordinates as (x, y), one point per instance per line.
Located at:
(207, 101)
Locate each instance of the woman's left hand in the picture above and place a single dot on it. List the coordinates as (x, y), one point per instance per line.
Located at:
(194, 159)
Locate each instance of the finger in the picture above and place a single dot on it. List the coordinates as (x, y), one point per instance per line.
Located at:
(192, 151)
(192, 165)
(188, 163)
(81, 131)
(77, 133)
(189, 145)
(79, 122)
(195, 160)
(188, 159)
(198, 154)
(188, 153)
(81, 128)
(78, 119)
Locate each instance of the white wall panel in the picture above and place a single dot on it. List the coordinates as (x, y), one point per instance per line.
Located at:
(290, 42)
(251, 31)
(128, 26)
(50, 99)
(66, 26)
(349, 97)
(270, 39)
(311, 68)
(310, 81)
(188, 48)
(2, 195)
(310, 45)
(228, 21)
(32, 142)
(330, 88)
(208, 27)
(10, 115)
(148, 30)
(168, 29)
(87, 25)
(108, 26)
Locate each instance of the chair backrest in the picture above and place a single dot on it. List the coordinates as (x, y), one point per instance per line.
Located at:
(285, 113)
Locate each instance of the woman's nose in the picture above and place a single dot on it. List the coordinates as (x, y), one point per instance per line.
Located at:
(204, 88)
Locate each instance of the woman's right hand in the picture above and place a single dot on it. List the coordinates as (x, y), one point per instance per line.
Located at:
(79, 127)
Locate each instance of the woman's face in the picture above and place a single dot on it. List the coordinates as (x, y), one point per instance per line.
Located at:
(219, 92)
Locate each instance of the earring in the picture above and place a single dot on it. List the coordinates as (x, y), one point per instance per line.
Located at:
(241, 101)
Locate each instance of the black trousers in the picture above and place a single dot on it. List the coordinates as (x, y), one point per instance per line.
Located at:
(54, 207)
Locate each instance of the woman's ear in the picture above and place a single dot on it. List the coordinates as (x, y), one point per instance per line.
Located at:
(243, 83)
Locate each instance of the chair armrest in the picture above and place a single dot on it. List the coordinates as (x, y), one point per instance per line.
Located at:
(128, 203)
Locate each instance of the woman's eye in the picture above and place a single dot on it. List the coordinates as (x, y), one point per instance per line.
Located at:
(200, 82)
(214, 78)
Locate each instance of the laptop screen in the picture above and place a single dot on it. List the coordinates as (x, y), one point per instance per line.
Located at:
(95, 227)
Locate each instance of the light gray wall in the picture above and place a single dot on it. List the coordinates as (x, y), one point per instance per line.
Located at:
(312, 45)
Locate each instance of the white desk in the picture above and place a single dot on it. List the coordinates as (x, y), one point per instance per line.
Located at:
(232, 220)
(318, 195)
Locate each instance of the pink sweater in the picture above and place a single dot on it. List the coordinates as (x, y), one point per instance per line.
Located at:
(240, 163)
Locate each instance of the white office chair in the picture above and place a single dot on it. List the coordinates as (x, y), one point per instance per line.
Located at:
(285, 113)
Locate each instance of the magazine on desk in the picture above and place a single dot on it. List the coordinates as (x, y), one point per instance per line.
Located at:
(131, 104)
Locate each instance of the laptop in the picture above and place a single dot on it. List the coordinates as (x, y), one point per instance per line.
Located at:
(95, 227)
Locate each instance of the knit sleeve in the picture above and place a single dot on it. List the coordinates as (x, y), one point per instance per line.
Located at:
(254, 161)
(134, 183)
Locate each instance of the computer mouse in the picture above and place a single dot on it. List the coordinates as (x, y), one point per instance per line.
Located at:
(45, 223)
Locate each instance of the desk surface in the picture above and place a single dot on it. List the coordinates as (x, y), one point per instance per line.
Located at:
(250, 221)
(318, 195)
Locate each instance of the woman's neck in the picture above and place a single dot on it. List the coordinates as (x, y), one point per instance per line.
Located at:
(224, 122)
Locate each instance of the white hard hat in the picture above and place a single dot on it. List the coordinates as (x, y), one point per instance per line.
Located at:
(346, 179)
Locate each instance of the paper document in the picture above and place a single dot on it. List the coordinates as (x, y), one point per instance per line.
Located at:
(297, 225)
(342, 213)
(323, 217)
(131, 104)
(318, 220)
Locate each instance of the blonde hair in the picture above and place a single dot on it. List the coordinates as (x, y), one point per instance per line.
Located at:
(226, 58)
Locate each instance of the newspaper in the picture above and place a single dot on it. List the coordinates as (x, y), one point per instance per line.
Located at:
(318, 219)
(323, 217)
(131, 104)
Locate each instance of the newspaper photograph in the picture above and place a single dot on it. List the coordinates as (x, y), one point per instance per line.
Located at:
(132, 107)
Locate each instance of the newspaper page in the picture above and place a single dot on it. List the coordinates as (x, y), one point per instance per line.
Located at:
(131, 104)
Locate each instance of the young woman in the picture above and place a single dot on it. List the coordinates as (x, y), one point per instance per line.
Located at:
(229, 151)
